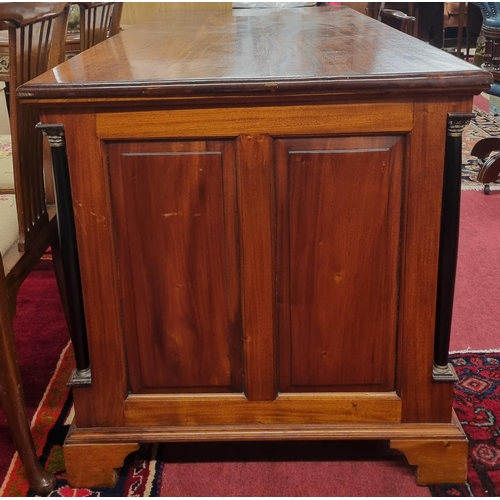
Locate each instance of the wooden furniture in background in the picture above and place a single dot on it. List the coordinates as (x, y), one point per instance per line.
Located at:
(36, 43)
(399, 20)
(267, 233)
(434, 21)
(98, 21)
(389, 14)
(491, 32)
(490, 163)
(134, 12)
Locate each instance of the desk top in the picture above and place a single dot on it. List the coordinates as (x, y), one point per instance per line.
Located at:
(257, 52)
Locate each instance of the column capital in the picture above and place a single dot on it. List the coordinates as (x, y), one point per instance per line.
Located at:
(54, 134)
(456, 123)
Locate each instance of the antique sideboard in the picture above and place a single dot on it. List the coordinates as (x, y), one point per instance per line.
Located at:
(259, 218)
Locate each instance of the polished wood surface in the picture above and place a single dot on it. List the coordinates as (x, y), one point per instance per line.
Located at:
(437, 460)
(192, 324)
(257, 205)
(337, 277)
(277, 120)
(268, 53)
(255, 192)
(421, 241)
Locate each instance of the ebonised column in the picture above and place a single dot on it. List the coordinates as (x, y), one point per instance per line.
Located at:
(448, 246)
(69, 252)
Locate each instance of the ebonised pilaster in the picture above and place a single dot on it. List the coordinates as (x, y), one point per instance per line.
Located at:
(448, 247)
(69, 252)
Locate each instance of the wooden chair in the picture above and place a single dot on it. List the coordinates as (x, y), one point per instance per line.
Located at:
(27, 226)
(399, 20)
(405, 22)
(98, 21)
(490, 163)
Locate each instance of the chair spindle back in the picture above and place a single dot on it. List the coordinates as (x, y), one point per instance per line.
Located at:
(37, 34)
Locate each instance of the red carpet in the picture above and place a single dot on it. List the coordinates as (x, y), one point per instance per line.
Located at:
(41, 334)
(292, 469)
(476, 316)
(481, 102)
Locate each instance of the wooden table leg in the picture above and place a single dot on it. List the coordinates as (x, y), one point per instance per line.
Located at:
(94, 465)
(437, 461)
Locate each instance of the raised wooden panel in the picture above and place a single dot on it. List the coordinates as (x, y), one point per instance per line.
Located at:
(339, 214)
(175, 215)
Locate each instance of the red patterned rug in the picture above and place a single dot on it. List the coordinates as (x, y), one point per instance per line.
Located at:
(477, 403)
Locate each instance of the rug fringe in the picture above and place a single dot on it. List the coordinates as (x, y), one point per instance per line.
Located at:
(477, 351)
(493, 187)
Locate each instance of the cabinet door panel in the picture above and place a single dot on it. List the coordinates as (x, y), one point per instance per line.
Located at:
(339, 214)
(175, 215)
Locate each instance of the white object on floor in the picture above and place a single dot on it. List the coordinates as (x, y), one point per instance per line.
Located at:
(4, 114)
(6, 166)
(9, 228)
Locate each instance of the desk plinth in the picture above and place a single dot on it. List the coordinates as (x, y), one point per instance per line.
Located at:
(259, 240)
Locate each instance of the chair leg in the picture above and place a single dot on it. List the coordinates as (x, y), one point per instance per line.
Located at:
(12, 399)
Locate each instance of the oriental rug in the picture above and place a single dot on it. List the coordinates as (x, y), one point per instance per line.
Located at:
(481, 126)
(477, 403)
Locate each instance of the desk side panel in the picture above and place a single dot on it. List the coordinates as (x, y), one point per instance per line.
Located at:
(174, 207)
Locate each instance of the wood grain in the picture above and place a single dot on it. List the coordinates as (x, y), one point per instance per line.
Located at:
(420, 239)
(175, 213)
(285, 409)
(102, 462)
(102, 403)
(437, 461)
(255, 188)
(274, 432)
(339, 220)
(275, 120)
(265, 52)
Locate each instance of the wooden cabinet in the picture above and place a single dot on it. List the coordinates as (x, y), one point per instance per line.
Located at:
(258, 241)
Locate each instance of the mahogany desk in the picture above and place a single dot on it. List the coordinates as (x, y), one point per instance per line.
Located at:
(266, 214)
